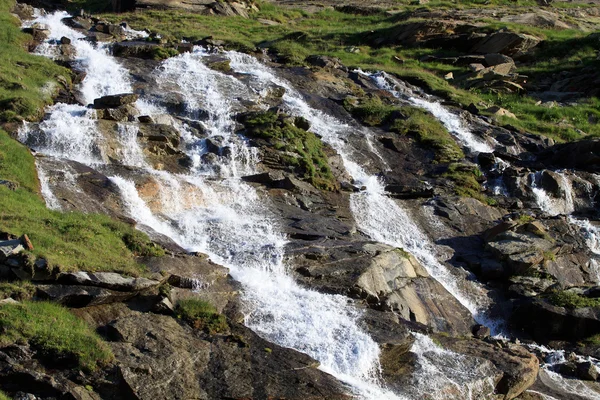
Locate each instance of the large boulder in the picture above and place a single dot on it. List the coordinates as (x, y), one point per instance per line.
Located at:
(116, 100)
(582, 154)
(507, 43)
(518, 366)
(107, 280)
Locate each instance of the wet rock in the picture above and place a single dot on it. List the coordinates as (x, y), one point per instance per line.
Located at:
(587, 371)
(39, 31)
(9, 184)
(518, 366)
(114, 101)
(271, 179)
(481, 332)
(107, 280)
(157, 355)
(120, 114)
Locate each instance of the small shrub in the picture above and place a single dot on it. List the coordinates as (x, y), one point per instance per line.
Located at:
(563, 298)
(55, 333)
(201, 315)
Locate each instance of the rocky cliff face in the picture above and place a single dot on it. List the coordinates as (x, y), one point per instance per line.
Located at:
(364, 209)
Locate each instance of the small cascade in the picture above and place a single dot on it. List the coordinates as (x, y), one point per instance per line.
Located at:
(558, 383)
(549, 204)
(229, 222)
(451, 121)
(375, 213)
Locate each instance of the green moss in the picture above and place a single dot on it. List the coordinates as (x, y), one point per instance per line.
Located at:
(371, 110)
(162, 53)
(55, 332)
(592, 341)
(201, 315)
(524, 218)
(572, 300)
(4, 396)
(139, 244)
(429, 132)
(305, 153)
(18, 290)
(465, 180)
(27, 82)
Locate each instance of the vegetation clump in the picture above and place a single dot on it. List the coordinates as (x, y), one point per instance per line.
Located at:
(55, 333)
(465, 179)
(27, 81)
(299, 149)
(201, 315)
(17, 290)
(429, 132)
(73, 240)
(567, 299)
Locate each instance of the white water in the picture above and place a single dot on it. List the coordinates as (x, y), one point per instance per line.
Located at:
(551, 205)
(375, 213)
(232, 226)
(451, 121)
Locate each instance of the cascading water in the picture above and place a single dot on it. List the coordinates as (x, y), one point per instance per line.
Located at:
(451, 121)
(232, 225)
(375, 213)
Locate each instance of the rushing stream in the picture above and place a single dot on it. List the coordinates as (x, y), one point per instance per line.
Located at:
(212, 210)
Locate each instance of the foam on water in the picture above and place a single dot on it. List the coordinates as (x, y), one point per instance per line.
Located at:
(375, 213)
(451, 121)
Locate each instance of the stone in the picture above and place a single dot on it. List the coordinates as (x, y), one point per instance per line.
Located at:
(481, 332)
(519, 367)
(271, 179)
(9, 184)
(23, 11)
(476, 67)
(9, 248)
(500, 112)
(494, 59)
(107, 280)
(583, 154)
(164, 306)
(507, 43)
(449, 76)
(324, 61)
(587, 371)
(120, 114)
(145, 119)
(503, 69)
(65, 40)
(81, 296)
(114, 101)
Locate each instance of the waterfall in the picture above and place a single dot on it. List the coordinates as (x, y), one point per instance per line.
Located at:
(375, 213)
(549, 204)
(451, 121)
(232, 225)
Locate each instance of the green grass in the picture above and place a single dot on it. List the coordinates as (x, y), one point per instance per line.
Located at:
(69, 241)
(27, 82)
(465, 181)
(305, 150)
(55, 333)
(429, 132)
(18, 290)
(572, 300)
(201, 315)
(4, 396)
(339, 35)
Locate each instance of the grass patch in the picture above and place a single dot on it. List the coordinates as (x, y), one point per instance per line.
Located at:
(301, 150)
(18, 290)
(346, 36)
(465, 179)
(69, 241)
(4, 396)
(57, 334)
(592, 341)
(201, 315)
(27, 82)
(572, 300)
(429, 132)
